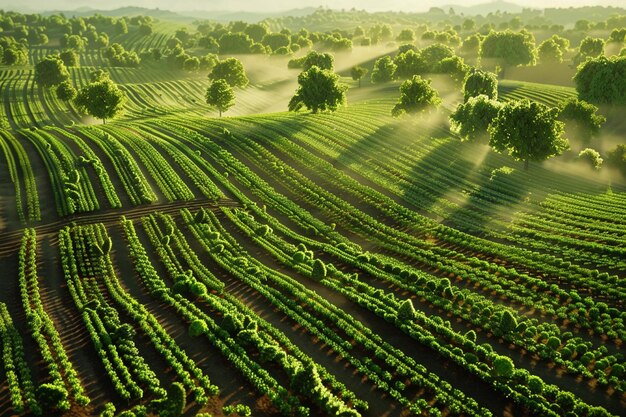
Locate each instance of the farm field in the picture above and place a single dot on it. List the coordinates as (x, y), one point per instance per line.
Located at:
(185, 258)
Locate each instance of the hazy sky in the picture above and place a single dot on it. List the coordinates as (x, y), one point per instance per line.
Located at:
(276, 5)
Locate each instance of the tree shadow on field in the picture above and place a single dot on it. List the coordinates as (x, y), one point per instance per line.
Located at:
(423, 179)
(498, 193)
(263, 130)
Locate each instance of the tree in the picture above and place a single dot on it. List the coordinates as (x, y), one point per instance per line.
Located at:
(549, 52)
(75, 43)
(617, 158)
(406, 35)
(480, 82)
(618, 35)
(508, 48)
(102, 41)
(121, 28)
(66, 91)
(276, 40)
(582, 116)
(561, 41)
(472, 118)
(468, 24)
(384, 70)
(589, 48)
(322, 60)
(408, 64)
(102, 99)
(406, 311)
(256, 31)
(582, 25)
(50, 71)
(14, 56)
(601, 80)
(230, 70)
(455, 67)
(220, 95)
(98, 75)
(191, 64)
(145, 29)
(235, 43)
(69, 58)
(528, 130)
(435, 53)
(471, 44)
(416, 95)
(357, 73)
(318, 90)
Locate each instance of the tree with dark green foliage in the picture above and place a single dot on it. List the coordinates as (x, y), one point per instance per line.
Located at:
(528, 131)
(235, 43)
(66, 91)
(191, 64)
(406, 47)
(408, 64)
(322, 60)
(602, 80)
(406, 311)
(618, 35)
(121, 28)
(582, 117)
(102, 99)
(220, 95)
(319, 270)
(471, 44)
(230, 70)
(14, 55)
(384, 70)
(75, 43)
(455, 67)
(508, 48)
(69, 58)
(276, 40)
(616, 158)
(435, 53)
(50, 71)
(318, 90)
(416, 95)
(98, 75)
(472, 118)
(589, 48)
(358, 72)
(256, 31)
(406, 35)
(549, 52)
(480, 82)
